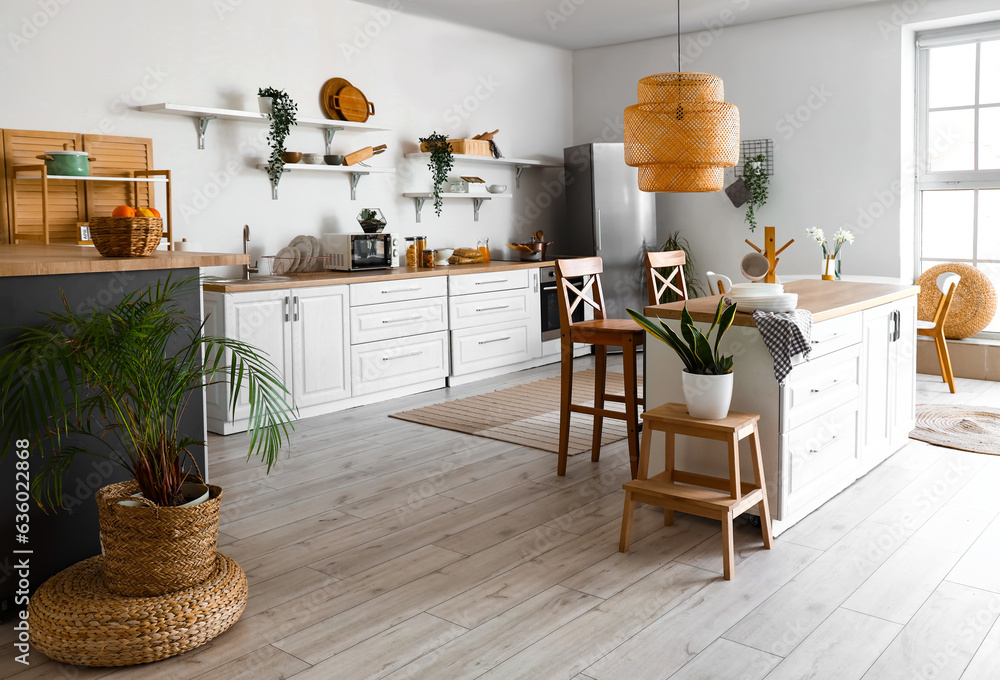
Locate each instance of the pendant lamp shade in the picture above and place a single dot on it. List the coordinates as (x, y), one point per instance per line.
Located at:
(681, 134)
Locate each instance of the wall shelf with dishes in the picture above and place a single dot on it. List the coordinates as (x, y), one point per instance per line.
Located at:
(519, 164)
(419, 197)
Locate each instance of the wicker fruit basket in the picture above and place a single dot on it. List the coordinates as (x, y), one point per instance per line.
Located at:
(126, 236)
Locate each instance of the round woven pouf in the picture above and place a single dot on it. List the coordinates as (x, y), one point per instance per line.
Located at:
(75, 619)
(972, 308)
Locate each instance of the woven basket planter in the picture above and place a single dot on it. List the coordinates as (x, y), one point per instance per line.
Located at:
(76, 620)
(126, 236)
(156, 550)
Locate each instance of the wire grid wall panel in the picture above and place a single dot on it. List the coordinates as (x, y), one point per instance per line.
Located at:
(751, 148)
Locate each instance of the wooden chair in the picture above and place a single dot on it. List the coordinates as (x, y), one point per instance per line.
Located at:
(601, 332)
(674, 280)
(947, 283)
(718, 282)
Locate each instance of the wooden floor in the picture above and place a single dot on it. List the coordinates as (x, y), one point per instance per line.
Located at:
(384, 549)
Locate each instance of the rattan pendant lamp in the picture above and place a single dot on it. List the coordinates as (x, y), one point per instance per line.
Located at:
(681, 134)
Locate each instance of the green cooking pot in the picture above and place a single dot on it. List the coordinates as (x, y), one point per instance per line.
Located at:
(68, 163)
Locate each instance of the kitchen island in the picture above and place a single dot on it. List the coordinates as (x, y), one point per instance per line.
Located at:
(839, 414)
(35, 279)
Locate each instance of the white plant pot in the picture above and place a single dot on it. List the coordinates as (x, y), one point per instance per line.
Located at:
(266, 104)
(707, 396)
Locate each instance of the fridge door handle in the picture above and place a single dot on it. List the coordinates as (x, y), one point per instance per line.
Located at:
(597, 230)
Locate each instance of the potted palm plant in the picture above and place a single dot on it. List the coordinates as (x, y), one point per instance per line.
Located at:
(707, 377)
(114, 384)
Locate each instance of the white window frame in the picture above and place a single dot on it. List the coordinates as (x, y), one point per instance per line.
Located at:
(953, 179)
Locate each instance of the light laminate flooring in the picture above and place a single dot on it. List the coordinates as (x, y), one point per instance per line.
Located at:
(379, 548)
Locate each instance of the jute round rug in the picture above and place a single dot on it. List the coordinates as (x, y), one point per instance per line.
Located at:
(969, 428)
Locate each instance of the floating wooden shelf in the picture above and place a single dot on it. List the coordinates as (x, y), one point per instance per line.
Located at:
(519, 164)
(477, 200)
(204, 114)
(92, 178)
(355, 171)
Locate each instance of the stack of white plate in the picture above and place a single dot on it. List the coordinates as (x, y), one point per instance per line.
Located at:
(767, 297)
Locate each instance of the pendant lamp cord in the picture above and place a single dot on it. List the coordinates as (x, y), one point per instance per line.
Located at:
(678, 36)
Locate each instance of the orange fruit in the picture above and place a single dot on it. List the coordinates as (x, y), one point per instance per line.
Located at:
(156, 213)
(123, 211)
(143, 212)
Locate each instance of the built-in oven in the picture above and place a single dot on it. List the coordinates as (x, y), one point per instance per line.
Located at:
(549, 292)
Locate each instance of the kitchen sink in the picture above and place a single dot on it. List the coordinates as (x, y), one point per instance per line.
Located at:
(267, 278)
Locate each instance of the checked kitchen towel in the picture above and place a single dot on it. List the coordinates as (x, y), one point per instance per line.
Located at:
(785, 334)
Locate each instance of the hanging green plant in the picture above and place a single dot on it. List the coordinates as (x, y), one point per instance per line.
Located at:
(440, 163)
(282, 117)
(755, 179)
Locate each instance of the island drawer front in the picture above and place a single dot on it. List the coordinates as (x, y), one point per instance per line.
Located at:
(377, 292)
(386, 365)
(819, 455)
(473, 311)
(466, 284)
(370, 323)
(833, 334)
(816, 387)
(479, 349)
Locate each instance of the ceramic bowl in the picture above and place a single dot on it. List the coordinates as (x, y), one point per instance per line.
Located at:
(334, 159)
(291, 156)
(496, 188)
(313, 158)
(443, 253)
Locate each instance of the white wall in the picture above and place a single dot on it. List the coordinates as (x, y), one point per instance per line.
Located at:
(82, 66)
(828, 88)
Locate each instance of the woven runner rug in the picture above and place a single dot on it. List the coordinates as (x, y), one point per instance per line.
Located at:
(968, 428)
(528, 414)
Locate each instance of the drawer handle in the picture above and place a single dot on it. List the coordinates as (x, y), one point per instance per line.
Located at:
(490, 283)
(492, 309)
(400, 290)
(486, 342)
(832, 440)
(826, 339)
(817, 390)
(402, 356)
(402, 319)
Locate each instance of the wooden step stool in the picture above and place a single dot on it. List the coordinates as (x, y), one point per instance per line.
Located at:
(714, 497)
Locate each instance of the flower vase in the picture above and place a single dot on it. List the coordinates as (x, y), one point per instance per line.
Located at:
(831, 268)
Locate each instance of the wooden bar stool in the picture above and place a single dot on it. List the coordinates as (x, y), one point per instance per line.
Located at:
(601, 332)
(714, 497)
(658, 285)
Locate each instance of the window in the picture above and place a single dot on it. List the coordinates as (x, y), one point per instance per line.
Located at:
(958, 150)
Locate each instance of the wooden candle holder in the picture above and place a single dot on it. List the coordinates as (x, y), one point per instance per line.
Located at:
(770, 253)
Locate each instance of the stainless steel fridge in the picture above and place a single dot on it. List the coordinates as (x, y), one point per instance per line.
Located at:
(607, 216)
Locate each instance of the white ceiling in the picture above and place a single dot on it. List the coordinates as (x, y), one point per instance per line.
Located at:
(575, 24)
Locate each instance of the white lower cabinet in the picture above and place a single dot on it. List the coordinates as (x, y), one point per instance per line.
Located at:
(391, 364)
(304, 332)
(479, 349)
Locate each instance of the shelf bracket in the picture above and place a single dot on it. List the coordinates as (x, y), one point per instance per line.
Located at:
(202, 126)
(355, 178)
(419, 202)
(476, 204)
(518, 169)
(328, 134)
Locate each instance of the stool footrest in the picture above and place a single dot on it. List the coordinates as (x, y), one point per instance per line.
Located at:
(620, 399)
(707, 499)
(720, 483)
(603, 412)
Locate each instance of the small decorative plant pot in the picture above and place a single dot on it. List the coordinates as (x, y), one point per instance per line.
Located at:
(707, 396)
(266, 104)
(372, 221)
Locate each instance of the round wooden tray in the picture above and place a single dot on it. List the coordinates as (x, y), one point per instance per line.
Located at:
(326, 94)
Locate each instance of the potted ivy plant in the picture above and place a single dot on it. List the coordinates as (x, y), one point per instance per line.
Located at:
(282, 115)
(755, 180)
(114, 384)
(441, 161)
(707, 377)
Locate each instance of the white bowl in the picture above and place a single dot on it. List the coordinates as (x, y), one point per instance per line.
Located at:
(496, 188)
(313, 158)
(770, 288)
(782, 303)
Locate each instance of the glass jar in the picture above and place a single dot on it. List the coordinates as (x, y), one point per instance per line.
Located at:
(420, 245)
(483, 245)
(411, 251)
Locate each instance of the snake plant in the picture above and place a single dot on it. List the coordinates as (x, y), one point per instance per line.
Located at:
(699, 354)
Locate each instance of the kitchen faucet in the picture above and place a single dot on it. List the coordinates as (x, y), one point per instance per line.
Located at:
(247, 269)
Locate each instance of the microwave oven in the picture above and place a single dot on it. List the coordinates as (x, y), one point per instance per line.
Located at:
(356, 252)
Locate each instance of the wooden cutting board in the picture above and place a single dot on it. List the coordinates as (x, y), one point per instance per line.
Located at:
(330, 89)
(351, 104)
(363, 154)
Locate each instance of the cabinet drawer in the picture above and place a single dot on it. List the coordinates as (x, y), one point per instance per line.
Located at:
(370, 323)
(394, 291)
(468, 311)
(388, 364)
(819, 455)
(478, 349)
(816, 387)
(466, 284)
(833, 334)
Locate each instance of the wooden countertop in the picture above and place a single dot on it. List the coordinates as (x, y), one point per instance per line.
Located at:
(375, 275)
(41, 260)
(825, 299)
